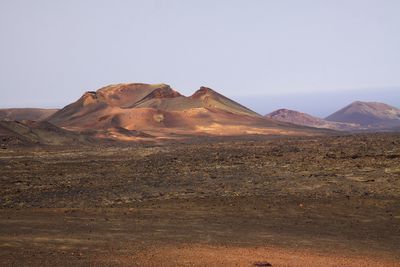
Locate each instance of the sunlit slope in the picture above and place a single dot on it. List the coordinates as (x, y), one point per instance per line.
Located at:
(160, 110)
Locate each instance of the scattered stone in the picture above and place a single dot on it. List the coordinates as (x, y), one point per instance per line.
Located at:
(359, 179)
(262, 263)
(392, 170)
(330, 155)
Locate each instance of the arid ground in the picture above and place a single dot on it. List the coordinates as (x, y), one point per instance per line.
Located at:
(299, 201)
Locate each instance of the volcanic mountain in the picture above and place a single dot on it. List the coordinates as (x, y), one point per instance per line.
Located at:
(18, 114)
(159, 110)
(372, 115)
(299, 118)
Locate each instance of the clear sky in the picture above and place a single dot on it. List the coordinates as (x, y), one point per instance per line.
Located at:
(312, 55)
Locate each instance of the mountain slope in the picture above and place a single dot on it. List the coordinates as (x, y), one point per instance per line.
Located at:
(35, 133)
(299, 118)
(161, 111)
(34, 114)
(368, 114)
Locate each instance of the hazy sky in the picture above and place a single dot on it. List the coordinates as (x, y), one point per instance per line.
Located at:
(310, 55)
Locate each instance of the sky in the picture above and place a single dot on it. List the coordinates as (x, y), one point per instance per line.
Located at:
(311, 55)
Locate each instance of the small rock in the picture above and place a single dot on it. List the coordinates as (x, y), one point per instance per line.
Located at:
(392, 170)
(330, 155)
(262, 263)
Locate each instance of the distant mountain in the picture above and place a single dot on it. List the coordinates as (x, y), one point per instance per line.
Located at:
(299, 118)
(358, 116)
(18, 114)
(160, 111)
(37, 133)
(372, 115)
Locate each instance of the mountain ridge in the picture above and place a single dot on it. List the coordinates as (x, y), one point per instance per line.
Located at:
(300, 118)
(159, 110)
(357, 116)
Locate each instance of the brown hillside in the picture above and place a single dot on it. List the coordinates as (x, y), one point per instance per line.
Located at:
(37, 133)
(368, 114)
(160, 111)
(300, 118)
(18, 114)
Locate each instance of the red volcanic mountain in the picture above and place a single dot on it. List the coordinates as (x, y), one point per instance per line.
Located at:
(159, 110)
(18, 114)
(299, 118)
(372, 115)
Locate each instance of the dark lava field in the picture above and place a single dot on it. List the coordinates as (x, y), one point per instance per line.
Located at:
(337, 196)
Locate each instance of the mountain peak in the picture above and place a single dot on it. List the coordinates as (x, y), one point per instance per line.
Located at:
(293, 116)
(371, 114)
(284, 112)
(163, 92)
(203, 91)
(123, 87)
(127, 94)
(89, 97)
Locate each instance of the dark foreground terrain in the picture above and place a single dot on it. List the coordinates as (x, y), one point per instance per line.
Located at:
(320, 201)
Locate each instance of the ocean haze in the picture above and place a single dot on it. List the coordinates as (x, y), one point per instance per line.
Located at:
(264, 54)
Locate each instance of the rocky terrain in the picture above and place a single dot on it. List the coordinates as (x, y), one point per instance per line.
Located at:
(140, 175)
(301, 201)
